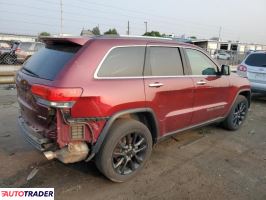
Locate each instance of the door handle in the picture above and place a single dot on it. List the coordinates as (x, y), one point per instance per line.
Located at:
(156, 85)
(201, 82)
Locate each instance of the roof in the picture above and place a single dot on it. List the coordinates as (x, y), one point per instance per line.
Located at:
(138, 40)
(258, 52)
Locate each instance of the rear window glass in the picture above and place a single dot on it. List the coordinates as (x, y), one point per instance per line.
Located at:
(49, 61)
(258, 60)
(123, 62)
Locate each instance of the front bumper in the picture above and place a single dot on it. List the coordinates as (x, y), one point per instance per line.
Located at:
(37, 140)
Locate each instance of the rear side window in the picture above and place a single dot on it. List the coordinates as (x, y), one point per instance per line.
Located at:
(258, 60)
(49, 61)
(123, 62)
(163, 61)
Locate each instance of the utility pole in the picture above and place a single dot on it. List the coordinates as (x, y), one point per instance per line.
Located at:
(146, 26)
(61, 19)
(128, 28)
(220, 31)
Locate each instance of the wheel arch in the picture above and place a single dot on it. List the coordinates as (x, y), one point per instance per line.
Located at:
(244, 92)
(144, 115)
(247, 94)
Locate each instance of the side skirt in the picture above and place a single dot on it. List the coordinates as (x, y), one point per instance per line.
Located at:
(168, 135)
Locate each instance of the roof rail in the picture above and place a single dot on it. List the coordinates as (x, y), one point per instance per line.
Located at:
(147, 37)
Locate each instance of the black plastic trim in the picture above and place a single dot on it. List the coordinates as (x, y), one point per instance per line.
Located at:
(109, 123)
(38, 141)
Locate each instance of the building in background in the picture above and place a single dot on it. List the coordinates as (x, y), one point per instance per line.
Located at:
(18, 37)
(212, 46)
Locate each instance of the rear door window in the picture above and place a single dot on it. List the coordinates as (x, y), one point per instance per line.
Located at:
(49, 61)
(258, 60)
(123, 62)
(163, 61)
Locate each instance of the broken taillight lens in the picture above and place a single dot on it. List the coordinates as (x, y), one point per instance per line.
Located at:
(56, 97)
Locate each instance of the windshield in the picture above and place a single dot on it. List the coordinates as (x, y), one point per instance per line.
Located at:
(49, 61)
(258, 60)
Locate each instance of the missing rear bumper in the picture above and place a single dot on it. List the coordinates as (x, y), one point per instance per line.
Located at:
(37, 140)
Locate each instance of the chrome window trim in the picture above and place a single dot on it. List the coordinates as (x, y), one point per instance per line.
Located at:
(105, 56)
(150, 77)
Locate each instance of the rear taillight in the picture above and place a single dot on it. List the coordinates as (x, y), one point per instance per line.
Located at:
(18, 49)
(242, 68)
(56, 97)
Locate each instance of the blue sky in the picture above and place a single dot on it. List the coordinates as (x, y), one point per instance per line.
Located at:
(242, 20)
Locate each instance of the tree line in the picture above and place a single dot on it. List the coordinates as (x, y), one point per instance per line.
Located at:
(112, 31)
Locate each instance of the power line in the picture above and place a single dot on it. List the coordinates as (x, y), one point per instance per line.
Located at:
(163, 22)
(179, 25)
(61, 18)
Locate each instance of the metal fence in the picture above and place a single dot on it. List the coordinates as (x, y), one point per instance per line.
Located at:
(7, 73)
(9, 65)
(235, 57)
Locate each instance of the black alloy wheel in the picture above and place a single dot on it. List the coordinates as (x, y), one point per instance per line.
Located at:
(129, 153)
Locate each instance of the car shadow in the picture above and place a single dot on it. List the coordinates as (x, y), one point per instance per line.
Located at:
(258, 98)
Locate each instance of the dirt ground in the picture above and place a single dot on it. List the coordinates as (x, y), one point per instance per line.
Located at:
(206, 163)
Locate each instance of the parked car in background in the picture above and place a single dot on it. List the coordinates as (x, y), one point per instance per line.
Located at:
(253, 67)
(222, 56)
(26, 49)
(114, 98)
(7, 52)
(5, 45)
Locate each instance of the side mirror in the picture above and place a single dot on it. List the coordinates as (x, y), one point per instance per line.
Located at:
(209, 71)
(225, 70)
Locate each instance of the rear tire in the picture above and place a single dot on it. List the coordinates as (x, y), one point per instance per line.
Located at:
(125, 151)
(237, 114)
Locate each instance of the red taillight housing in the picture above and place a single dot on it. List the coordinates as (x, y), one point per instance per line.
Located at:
(18, 49)
(56, 97)
(242, 68)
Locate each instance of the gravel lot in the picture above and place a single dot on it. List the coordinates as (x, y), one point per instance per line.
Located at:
(206, 163)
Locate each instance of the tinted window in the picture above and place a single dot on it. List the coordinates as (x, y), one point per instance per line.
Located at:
(123, 62)
(49, 61)
(258, 60)
(163, 61)
(200, 63)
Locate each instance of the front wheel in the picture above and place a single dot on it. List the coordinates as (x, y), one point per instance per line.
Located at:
(125, 150)
(237, 114)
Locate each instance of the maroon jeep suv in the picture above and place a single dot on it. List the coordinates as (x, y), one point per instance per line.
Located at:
(112, 99)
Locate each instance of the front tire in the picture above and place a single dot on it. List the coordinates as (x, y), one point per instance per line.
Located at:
(237, 114)
(125, 151)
